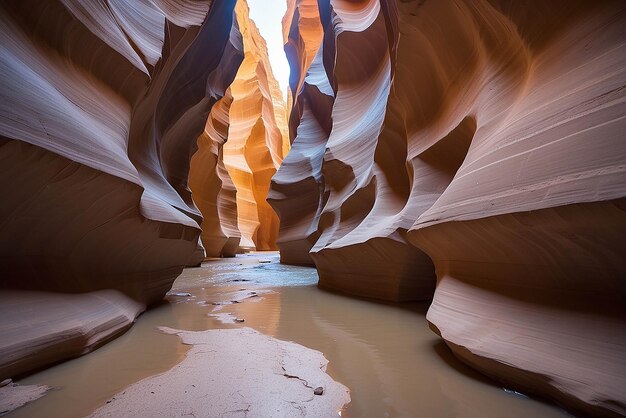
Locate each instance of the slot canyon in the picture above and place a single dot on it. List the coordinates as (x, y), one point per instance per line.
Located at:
(423, 220)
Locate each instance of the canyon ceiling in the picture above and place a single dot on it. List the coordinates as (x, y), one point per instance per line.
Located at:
(468, 152)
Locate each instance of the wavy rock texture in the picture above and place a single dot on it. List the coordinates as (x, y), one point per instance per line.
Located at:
(100, 108)
(303, 34)
(213, 190)
(42, 328)
(297, 189)
(362, 248)
(526, 236)
(354, 184)
(489, 135)
(257, 137)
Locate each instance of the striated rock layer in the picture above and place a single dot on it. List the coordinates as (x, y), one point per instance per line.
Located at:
(213, 189)
(532, 219)
(100, 108)
(297, 189)
(482, 141)
(354, 176)
(42, 328)
(302, 34)
(257, 137)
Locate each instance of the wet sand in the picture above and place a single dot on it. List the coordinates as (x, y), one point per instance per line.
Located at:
(384, 353)
(234, 373)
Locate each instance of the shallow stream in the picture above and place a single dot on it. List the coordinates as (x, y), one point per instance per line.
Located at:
(394, 365)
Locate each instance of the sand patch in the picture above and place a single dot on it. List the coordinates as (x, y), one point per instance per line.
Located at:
(235, 372)
(12, 396)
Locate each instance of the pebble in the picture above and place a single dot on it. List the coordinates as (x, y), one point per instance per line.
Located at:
(239, 320)
(318, 390)
(180, 294)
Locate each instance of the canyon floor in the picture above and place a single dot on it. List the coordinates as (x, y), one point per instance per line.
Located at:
(382, 358)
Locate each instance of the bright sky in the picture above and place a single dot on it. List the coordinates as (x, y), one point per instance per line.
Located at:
(267, 14)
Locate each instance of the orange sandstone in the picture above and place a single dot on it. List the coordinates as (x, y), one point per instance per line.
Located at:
(257, 137)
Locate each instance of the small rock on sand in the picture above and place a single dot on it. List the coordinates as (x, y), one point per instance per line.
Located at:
(180, 294)
(318, 390)
(244, 358)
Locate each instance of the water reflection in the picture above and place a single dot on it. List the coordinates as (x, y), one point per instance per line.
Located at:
(385, 353)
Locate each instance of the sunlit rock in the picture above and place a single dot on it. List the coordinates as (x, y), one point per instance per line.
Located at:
(302, 34)
(213, 190)
(257, 137)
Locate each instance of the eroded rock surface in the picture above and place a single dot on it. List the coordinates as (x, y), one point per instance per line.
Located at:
(213, 190)
(100, 108)
(341, 191)
(482, 141)
(297, 189)
(41, 328)
(257, 137)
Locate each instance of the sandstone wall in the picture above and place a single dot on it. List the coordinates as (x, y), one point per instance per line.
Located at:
(297, 189)
(213, 190)
(257, 137)
(100, 107)
(302, 34)
(482, 141)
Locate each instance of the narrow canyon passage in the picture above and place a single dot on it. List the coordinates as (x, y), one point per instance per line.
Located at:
(282, 208)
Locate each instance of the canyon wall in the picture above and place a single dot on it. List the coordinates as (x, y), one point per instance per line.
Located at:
(213, 190)
(100, 108)
(257, 137)
(477, 147)
(297, 189)
(338, 165)
(302, 35)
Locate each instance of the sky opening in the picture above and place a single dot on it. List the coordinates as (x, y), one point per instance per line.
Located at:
(268, 14)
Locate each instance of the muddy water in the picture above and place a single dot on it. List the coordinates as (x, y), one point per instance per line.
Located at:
(392, 363)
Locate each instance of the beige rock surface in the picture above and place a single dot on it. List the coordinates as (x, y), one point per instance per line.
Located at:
(235, 372)
(526, 236)
(41, 328)
(257, 137)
